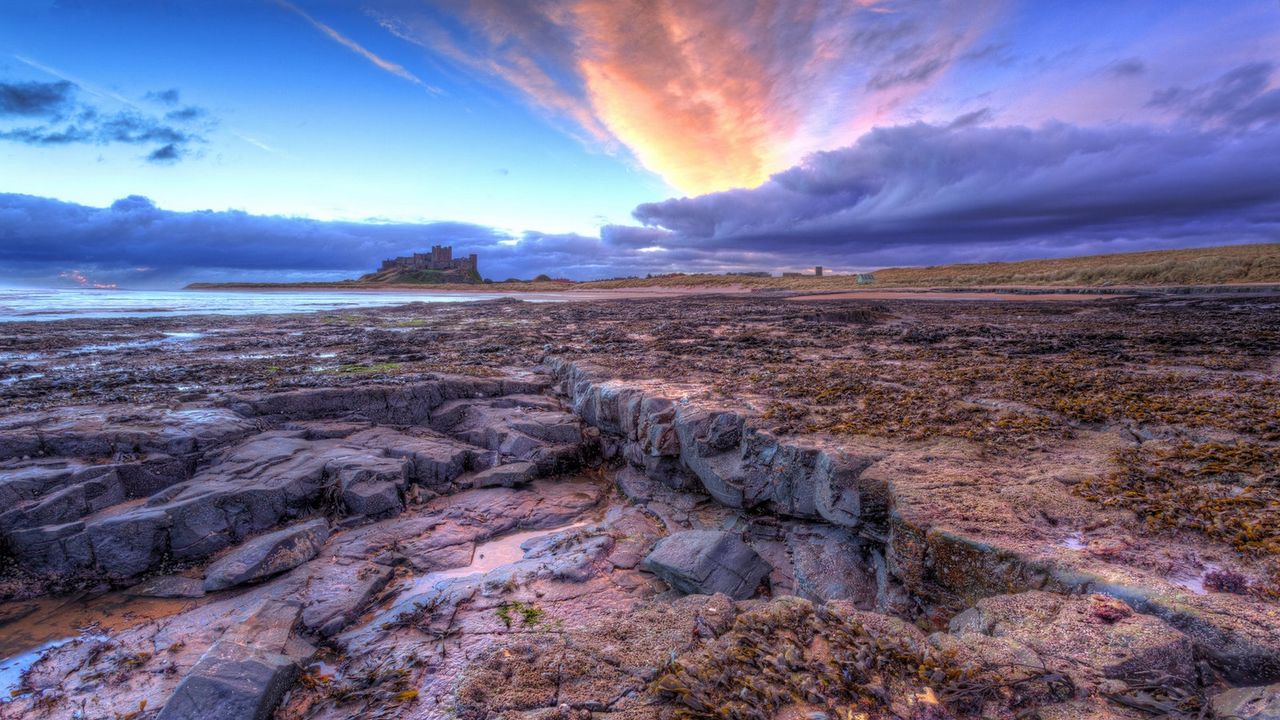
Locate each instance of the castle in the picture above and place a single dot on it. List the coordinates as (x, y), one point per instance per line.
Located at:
(440, 258)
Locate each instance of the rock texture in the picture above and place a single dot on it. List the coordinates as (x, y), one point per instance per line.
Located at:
(707, 562)
(243, 675)
(266, 555)
(899, 502)
(1249, 703)
(892, 497)
(209, 478)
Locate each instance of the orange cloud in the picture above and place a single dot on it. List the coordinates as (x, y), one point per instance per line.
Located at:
(684, 91)
(709, 94)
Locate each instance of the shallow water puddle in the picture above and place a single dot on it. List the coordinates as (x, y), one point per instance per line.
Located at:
(12, 669)
(1195, 583)
(29, 628)
(15, 379)
(488, 555)
(169, 338)
(1074, 541)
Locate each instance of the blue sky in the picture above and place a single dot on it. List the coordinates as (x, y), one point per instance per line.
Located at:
(304, 125)
(594, 138)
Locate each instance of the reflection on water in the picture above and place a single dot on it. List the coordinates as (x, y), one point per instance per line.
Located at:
(63, 304)
(168, 339)
(488, 555)
(12, 668)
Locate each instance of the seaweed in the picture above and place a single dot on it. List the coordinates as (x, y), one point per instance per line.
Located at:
(793, 654)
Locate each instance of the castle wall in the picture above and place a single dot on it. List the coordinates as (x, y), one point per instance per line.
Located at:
(440, 258)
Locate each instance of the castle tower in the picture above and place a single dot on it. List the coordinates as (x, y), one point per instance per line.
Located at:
(441, 256)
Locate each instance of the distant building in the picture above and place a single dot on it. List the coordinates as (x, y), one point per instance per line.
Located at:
(817, 271)
(866, 278)
(440, 258)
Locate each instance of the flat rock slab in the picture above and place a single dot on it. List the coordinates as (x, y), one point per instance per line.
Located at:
(340, 594)
(708, 562)
(509, 475)
(88, 431)
(548, 438)
(1249, 703)
(231, 682)
(169, 586)
(1089, 637)
(267, 555)
(244, 674)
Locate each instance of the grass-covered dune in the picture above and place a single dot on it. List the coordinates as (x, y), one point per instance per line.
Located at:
(1223, 265)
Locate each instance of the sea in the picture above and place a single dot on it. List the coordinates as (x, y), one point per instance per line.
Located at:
(24, 304)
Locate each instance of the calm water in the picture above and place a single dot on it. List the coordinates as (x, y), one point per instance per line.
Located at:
(27, 304)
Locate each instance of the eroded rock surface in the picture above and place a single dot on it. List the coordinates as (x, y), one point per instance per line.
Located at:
(493, 483)
(707, 562)
(243, 675)
(1251, 703)
(267, 555)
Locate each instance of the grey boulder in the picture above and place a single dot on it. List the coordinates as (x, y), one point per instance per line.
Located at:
(244, 674)
(231, 682)
(708, 562)
(267, 555)
(509, 475)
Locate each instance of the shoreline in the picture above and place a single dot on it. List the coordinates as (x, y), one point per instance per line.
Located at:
(799, 293)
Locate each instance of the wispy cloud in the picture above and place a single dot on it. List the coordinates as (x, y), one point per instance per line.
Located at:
(85, 86)
(709, 95)
(382, 63)
(256, 143)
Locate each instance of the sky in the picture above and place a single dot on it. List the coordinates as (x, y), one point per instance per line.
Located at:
(154, 143)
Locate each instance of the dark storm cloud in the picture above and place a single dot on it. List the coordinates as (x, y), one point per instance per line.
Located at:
(40, 237)
(64, 119)
(134, 243)
(1239, 97)
(960, 190)
(904, 195)
(633, 237)
(35, 99)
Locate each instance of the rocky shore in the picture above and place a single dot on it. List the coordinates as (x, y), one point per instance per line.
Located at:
(737, 507)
